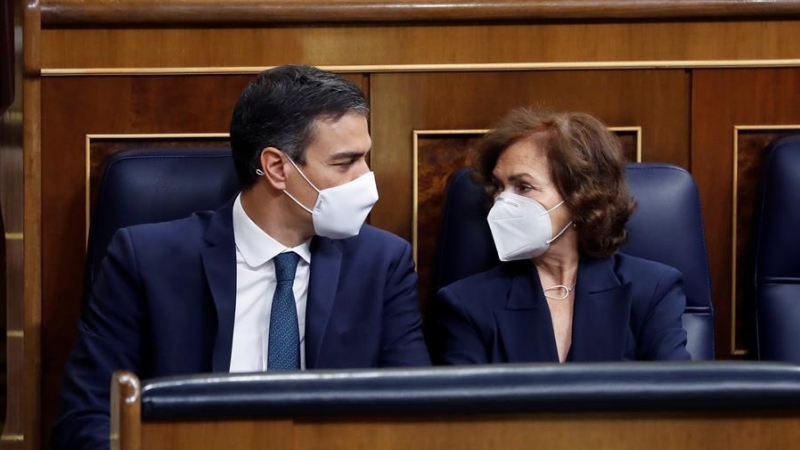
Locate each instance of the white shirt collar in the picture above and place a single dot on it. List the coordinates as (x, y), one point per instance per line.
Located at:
(255, 245)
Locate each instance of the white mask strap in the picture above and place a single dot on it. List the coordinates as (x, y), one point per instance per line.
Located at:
(560, 232)
(302, 174)
(297, 201)
(553, 208)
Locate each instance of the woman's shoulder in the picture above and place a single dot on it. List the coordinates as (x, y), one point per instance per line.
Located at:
(633, 269)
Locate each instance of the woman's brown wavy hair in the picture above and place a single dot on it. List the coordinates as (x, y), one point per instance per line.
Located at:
(586, 165)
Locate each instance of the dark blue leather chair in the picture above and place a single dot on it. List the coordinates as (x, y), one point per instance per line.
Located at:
(777, 275)
(156, 185)
(667, 227)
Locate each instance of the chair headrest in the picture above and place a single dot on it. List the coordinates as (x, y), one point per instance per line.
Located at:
(778, 237)
(157, 185)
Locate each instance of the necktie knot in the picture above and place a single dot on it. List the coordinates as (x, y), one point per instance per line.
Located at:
(285, 266)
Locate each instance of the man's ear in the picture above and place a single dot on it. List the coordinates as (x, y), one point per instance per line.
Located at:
(273, 167)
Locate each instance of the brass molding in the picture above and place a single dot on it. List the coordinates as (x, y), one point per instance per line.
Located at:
(15, 334)
(14, 236)
(638, 131)
(139, 136)
(12, 438)
(411, 68)
(734, 301)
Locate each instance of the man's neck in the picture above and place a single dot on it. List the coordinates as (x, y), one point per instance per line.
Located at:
(277, 215)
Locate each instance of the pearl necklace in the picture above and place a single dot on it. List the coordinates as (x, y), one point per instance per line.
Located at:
(566, 290)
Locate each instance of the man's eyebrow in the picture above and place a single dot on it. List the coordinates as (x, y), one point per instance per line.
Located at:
(349, 154)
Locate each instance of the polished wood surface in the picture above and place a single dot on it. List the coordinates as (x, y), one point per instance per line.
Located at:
(211, 12)
(657, 101)
(613, 431)
(29, 405)
(585, 45)
(126, 411)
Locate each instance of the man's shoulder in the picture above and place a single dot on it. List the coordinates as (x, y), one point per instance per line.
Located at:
(370, 237)
(195, 223)
(172, 236)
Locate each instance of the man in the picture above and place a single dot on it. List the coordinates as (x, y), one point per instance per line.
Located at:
(283, 277)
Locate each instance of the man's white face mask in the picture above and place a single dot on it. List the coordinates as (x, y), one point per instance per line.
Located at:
(521, 227)
(340, 211)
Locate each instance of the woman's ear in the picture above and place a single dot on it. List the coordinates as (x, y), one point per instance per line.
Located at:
(273, 168)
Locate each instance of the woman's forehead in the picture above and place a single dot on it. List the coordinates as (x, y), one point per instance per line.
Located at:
(522, 156)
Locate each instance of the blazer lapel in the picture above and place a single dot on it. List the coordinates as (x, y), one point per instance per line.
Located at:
(219, 263)
(326, 262)
(525, 327)
(601, 318)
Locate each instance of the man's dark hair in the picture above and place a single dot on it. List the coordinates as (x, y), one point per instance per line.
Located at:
(278, 109)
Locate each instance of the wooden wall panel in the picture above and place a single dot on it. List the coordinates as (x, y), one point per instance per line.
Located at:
(380, 44)
(723, 100)
(657, 101)
(609, 431)
(72, 109)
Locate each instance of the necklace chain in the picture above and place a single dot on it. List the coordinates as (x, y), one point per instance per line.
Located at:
(565, 289)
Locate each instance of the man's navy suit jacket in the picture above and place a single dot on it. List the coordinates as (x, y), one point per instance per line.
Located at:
(626, 308)
(163, 304)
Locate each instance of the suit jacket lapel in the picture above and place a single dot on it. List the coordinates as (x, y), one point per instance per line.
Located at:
(525, 327)
(219, 263)
(601, 317)
(326, 262)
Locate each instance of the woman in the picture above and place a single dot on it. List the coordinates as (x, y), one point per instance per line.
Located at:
(563, 292)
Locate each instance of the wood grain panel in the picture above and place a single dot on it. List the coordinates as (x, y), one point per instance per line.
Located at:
(614, 431)
(73, 108)
(270, 12)
(721, 100)
(578, 431)
(655, 100)
(435, 44)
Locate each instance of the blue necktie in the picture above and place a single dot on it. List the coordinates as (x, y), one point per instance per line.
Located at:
(284, 334)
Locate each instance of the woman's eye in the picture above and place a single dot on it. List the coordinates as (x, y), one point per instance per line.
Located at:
(525, 188)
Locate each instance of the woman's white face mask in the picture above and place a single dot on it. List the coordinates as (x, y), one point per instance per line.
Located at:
(521, 227)
(340, 211)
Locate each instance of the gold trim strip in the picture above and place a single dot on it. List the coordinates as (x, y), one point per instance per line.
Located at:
(142, 136)
(13, 236)
(12, 438)
(405, 68)
(16, 334)
(734, 301)
(638, 131)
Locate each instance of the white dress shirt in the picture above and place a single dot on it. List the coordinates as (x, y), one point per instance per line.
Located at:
(255, 287)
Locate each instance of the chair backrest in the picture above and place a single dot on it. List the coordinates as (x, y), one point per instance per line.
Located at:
(667, 227)
(777, 268)
(157, 185)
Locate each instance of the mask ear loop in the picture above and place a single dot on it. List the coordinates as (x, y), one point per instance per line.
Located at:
(301, 173)
(563, 229)
(559, 233)
(307, 181)
(261, 173)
